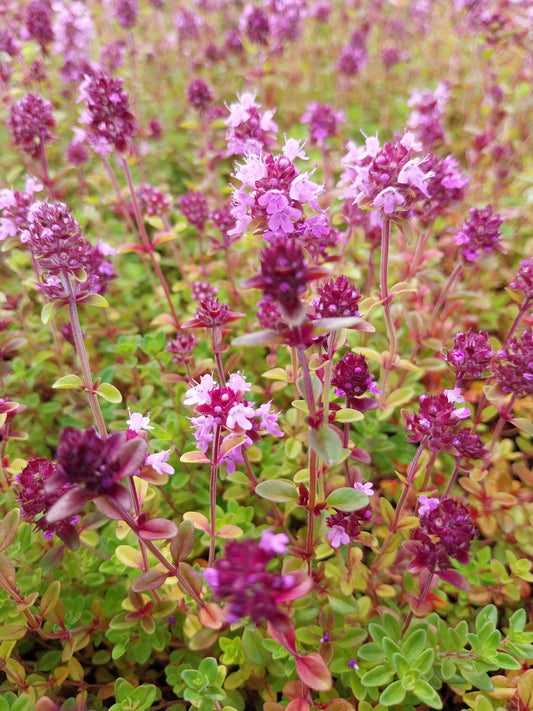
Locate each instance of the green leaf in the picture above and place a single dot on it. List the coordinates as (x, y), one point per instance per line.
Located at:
(95, 300)
(414, 644)
(371, 652)
(279, 491)
(50, 310)
(424, 662)
(327, 444)
(392, 626)
(400, 663)
(390, 648)
(427, 694)
(348, 415)
(347, 499)
(208, 667)
(505, 661)
(252, 647)
(379, 676)
(401, 396)
(69, 382)
(109, 392)
(479, 680)
(448, 669)
(393, 694)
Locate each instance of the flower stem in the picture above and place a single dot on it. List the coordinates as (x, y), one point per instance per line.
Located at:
(146, 242)
(386, 299)
(213, 494)
(82, 355)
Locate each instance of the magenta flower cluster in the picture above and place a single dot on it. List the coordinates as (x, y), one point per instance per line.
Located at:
(437, 421)
(446, 531)
(513, 368)
(323, 121)
(470, 356)
(225, 409)
(390, 178)
(241, 577)
(110, 125)
(31, 122)
(273, 194)
(480, 234)
(249, 131)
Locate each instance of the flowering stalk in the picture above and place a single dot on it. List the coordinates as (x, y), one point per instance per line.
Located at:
(386, 299)
(213, 493)
(146, 242)
(82, 355)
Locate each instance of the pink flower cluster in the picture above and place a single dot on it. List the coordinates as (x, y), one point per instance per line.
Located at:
(390, 178)
(249, 131)
(273, 194)
(225, 408)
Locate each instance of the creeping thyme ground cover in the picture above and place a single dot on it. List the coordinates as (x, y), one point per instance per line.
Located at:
(266, 278)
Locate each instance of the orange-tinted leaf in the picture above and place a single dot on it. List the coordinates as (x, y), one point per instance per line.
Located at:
(211, 616)
(156, 529)
(313, 671)
(151, 580)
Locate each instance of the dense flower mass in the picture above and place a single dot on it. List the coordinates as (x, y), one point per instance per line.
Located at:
(15, 208)
(249, 131)
(390, 178)
(241, 578)
(224, 409)
(73, 29)
(273, 194)
(199, 95)
(283, 277)
(90, 466)
(106, 113)
(446, 531)
(513, 368)
(437, 421)
(323, 121)
(337, 298)
(31, 122)
(35, 501)
(470, 356)
(352, 379)
(427, 114)
(345, 526)
(480, 234)
(38, 22)
(446, 187)
(193, 205)
(523, 279)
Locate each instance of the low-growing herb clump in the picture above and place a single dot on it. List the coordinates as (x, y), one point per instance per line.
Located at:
(266, 355)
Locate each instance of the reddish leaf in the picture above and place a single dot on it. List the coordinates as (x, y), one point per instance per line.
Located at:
(156, 529)
(525, 690)
(192, 577)
(182, 543)
(293, 689)
(151, 580)
(302, 585)
(287, 638)
(211, 616)
(8, 528)
(312, 670)
(454, 578)
(298, 705)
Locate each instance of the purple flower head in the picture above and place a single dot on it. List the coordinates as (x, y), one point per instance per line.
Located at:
(112, 55)
(193, 205)
(352, 379)
(126, 12)
(446, 531)
(226, 407)
(38, 22)
(390, 178)
(240, 576)
(446, 187)
(273, 194)
(199, 95)
(480, 234)
(182, 347)
(153, 201)
(254, 23)
(268, 313)
(249, 131)
(354, 55)
(436, 423)
(92, 467)
(513, 368)
(73, 29)
(211, 313)
(426, 115)
(16, 208)
(77, 153)
(203, 290)
(337, 298)
(35, 501)
(346, 526)
(469, 445)
(54, 237)
(323, 121)
(470, 356)
(523, 280)
(283, 277)
(31, 122)
(106, 114)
